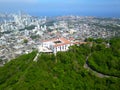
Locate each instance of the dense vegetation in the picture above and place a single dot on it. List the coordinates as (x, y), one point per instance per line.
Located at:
(64, 71)
(106, 59)
(30, 27)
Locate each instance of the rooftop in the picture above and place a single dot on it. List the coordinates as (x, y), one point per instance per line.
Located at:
(59, 41)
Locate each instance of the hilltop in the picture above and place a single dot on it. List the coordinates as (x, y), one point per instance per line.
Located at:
(65, 70)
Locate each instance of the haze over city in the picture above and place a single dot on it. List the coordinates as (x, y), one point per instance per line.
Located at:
(102, 8)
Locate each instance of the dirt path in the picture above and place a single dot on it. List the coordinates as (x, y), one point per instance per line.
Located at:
(36, 57)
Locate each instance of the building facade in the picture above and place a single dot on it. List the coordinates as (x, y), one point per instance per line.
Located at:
(57, 44)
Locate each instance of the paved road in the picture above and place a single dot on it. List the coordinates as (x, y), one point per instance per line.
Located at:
(101, 75)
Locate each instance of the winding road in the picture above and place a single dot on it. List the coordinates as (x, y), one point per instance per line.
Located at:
(101, 75)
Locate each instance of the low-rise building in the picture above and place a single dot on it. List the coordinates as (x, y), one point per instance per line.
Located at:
(55, 45)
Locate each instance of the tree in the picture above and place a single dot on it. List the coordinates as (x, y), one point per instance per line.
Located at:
(25, 41)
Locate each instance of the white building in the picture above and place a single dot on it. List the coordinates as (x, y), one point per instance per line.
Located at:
(55, 45)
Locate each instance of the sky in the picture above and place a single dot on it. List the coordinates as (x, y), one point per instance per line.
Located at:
(102, 8)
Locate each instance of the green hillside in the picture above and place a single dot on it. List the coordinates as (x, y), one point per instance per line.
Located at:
(65, 71)
(106, 59)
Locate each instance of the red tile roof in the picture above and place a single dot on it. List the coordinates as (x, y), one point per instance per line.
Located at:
(63, 41)
(79, 42)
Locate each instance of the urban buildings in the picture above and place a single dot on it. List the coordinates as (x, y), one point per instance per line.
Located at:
(22, 33)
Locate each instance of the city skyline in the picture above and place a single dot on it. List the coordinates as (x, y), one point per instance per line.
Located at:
(102, 8)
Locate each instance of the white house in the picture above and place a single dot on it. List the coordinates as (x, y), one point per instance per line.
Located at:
(56, 44)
